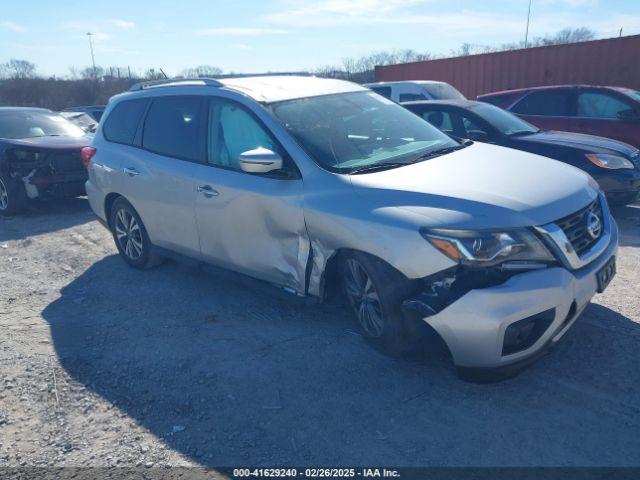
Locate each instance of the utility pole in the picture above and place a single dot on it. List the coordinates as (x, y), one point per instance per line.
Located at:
(620, 32)
(526, 34)
(93, 58)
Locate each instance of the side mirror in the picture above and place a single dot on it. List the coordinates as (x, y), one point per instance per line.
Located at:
(260, 160)
(628, 115)
(478, 135)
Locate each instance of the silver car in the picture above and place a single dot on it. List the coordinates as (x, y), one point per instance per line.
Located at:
(311, 183)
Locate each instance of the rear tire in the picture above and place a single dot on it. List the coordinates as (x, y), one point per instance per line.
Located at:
(375, 292)
(13, 197)
(130, 236)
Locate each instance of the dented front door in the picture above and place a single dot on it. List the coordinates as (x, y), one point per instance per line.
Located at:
(252, 224)
(248, 223)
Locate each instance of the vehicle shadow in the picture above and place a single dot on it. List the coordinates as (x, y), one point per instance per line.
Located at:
(628, 219)
(49, 216)
(233, 372)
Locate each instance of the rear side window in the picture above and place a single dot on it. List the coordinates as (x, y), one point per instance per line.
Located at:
(593, 104)
(122, 123)
(551, 103)
(174, 127)
(410, 97)
(384, 91)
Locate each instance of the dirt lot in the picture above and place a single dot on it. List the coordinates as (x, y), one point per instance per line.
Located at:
(104, 365)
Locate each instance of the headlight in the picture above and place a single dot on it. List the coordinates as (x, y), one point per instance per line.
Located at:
(605, 160)
(486, 248)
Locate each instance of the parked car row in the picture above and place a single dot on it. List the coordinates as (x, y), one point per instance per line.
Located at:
(613, 164)
(312, 183)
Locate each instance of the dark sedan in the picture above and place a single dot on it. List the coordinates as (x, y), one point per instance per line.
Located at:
(615, 165)
(40, 157)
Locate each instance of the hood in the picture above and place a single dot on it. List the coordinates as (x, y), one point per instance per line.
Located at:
(55, 143)
(585, 143)
(480, 186)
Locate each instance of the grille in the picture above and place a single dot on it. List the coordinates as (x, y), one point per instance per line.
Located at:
(65, 161)
(574, 227)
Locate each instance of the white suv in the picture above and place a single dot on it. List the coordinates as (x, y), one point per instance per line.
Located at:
(309, 183)
(416, 90)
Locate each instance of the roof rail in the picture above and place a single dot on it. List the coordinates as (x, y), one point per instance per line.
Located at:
(175, 82)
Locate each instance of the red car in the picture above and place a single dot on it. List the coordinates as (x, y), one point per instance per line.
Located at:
(611, 112)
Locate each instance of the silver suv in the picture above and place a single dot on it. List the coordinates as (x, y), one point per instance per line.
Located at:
(310, 183)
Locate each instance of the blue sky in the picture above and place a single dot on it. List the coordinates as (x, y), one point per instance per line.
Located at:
(278, 35)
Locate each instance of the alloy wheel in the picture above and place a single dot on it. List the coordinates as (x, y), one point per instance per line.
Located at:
(4, 196)
(364, 298)
(128, 234)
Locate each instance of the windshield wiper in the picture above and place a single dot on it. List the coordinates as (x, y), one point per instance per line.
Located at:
(437, 152)
(377, 167)
(521, 133)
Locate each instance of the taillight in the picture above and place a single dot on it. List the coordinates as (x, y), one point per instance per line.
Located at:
(86, 154)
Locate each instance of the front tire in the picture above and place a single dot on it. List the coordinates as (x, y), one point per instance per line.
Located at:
(130, 236)
(375, 292)
(13, 197)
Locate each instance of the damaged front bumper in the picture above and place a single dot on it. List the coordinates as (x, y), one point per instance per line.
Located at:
(542, 304)
(47, 174)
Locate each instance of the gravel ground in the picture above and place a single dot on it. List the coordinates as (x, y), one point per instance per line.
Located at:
(103, 365)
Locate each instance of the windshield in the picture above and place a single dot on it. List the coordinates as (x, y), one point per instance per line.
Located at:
(503, 121)
(29, 123)
(350, 131)
(443, 91)
(632, 93)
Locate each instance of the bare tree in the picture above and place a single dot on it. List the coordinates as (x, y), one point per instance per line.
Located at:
(16, 68)
(201, 71)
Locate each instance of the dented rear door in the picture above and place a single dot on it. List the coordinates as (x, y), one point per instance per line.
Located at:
(249, 223)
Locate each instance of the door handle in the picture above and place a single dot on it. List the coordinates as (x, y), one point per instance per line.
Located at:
(132, 172)
(207, 191)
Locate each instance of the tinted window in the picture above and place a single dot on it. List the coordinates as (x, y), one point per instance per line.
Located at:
(384, 91)
(440, 120)
(122, 123)
(232, 131)
(33, 123)
(453, 123)
(600, 105)
(410, 97)
(173, 127)
(552, 103)
(505, 122)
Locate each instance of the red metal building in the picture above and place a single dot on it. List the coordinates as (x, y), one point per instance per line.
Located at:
(614, 62)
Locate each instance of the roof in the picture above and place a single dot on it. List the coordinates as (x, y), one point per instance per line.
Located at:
(24, 109)
(396, 82)
(462, 103)
(287, 87)
(549, 87)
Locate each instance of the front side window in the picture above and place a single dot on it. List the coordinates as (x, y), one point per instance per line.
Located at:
(600, 105)
(441, 120)
(173, 127)
(122, 123)
(350, 131)
(384, 91)
(18, 124)
(550, 103)
(232, 131)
